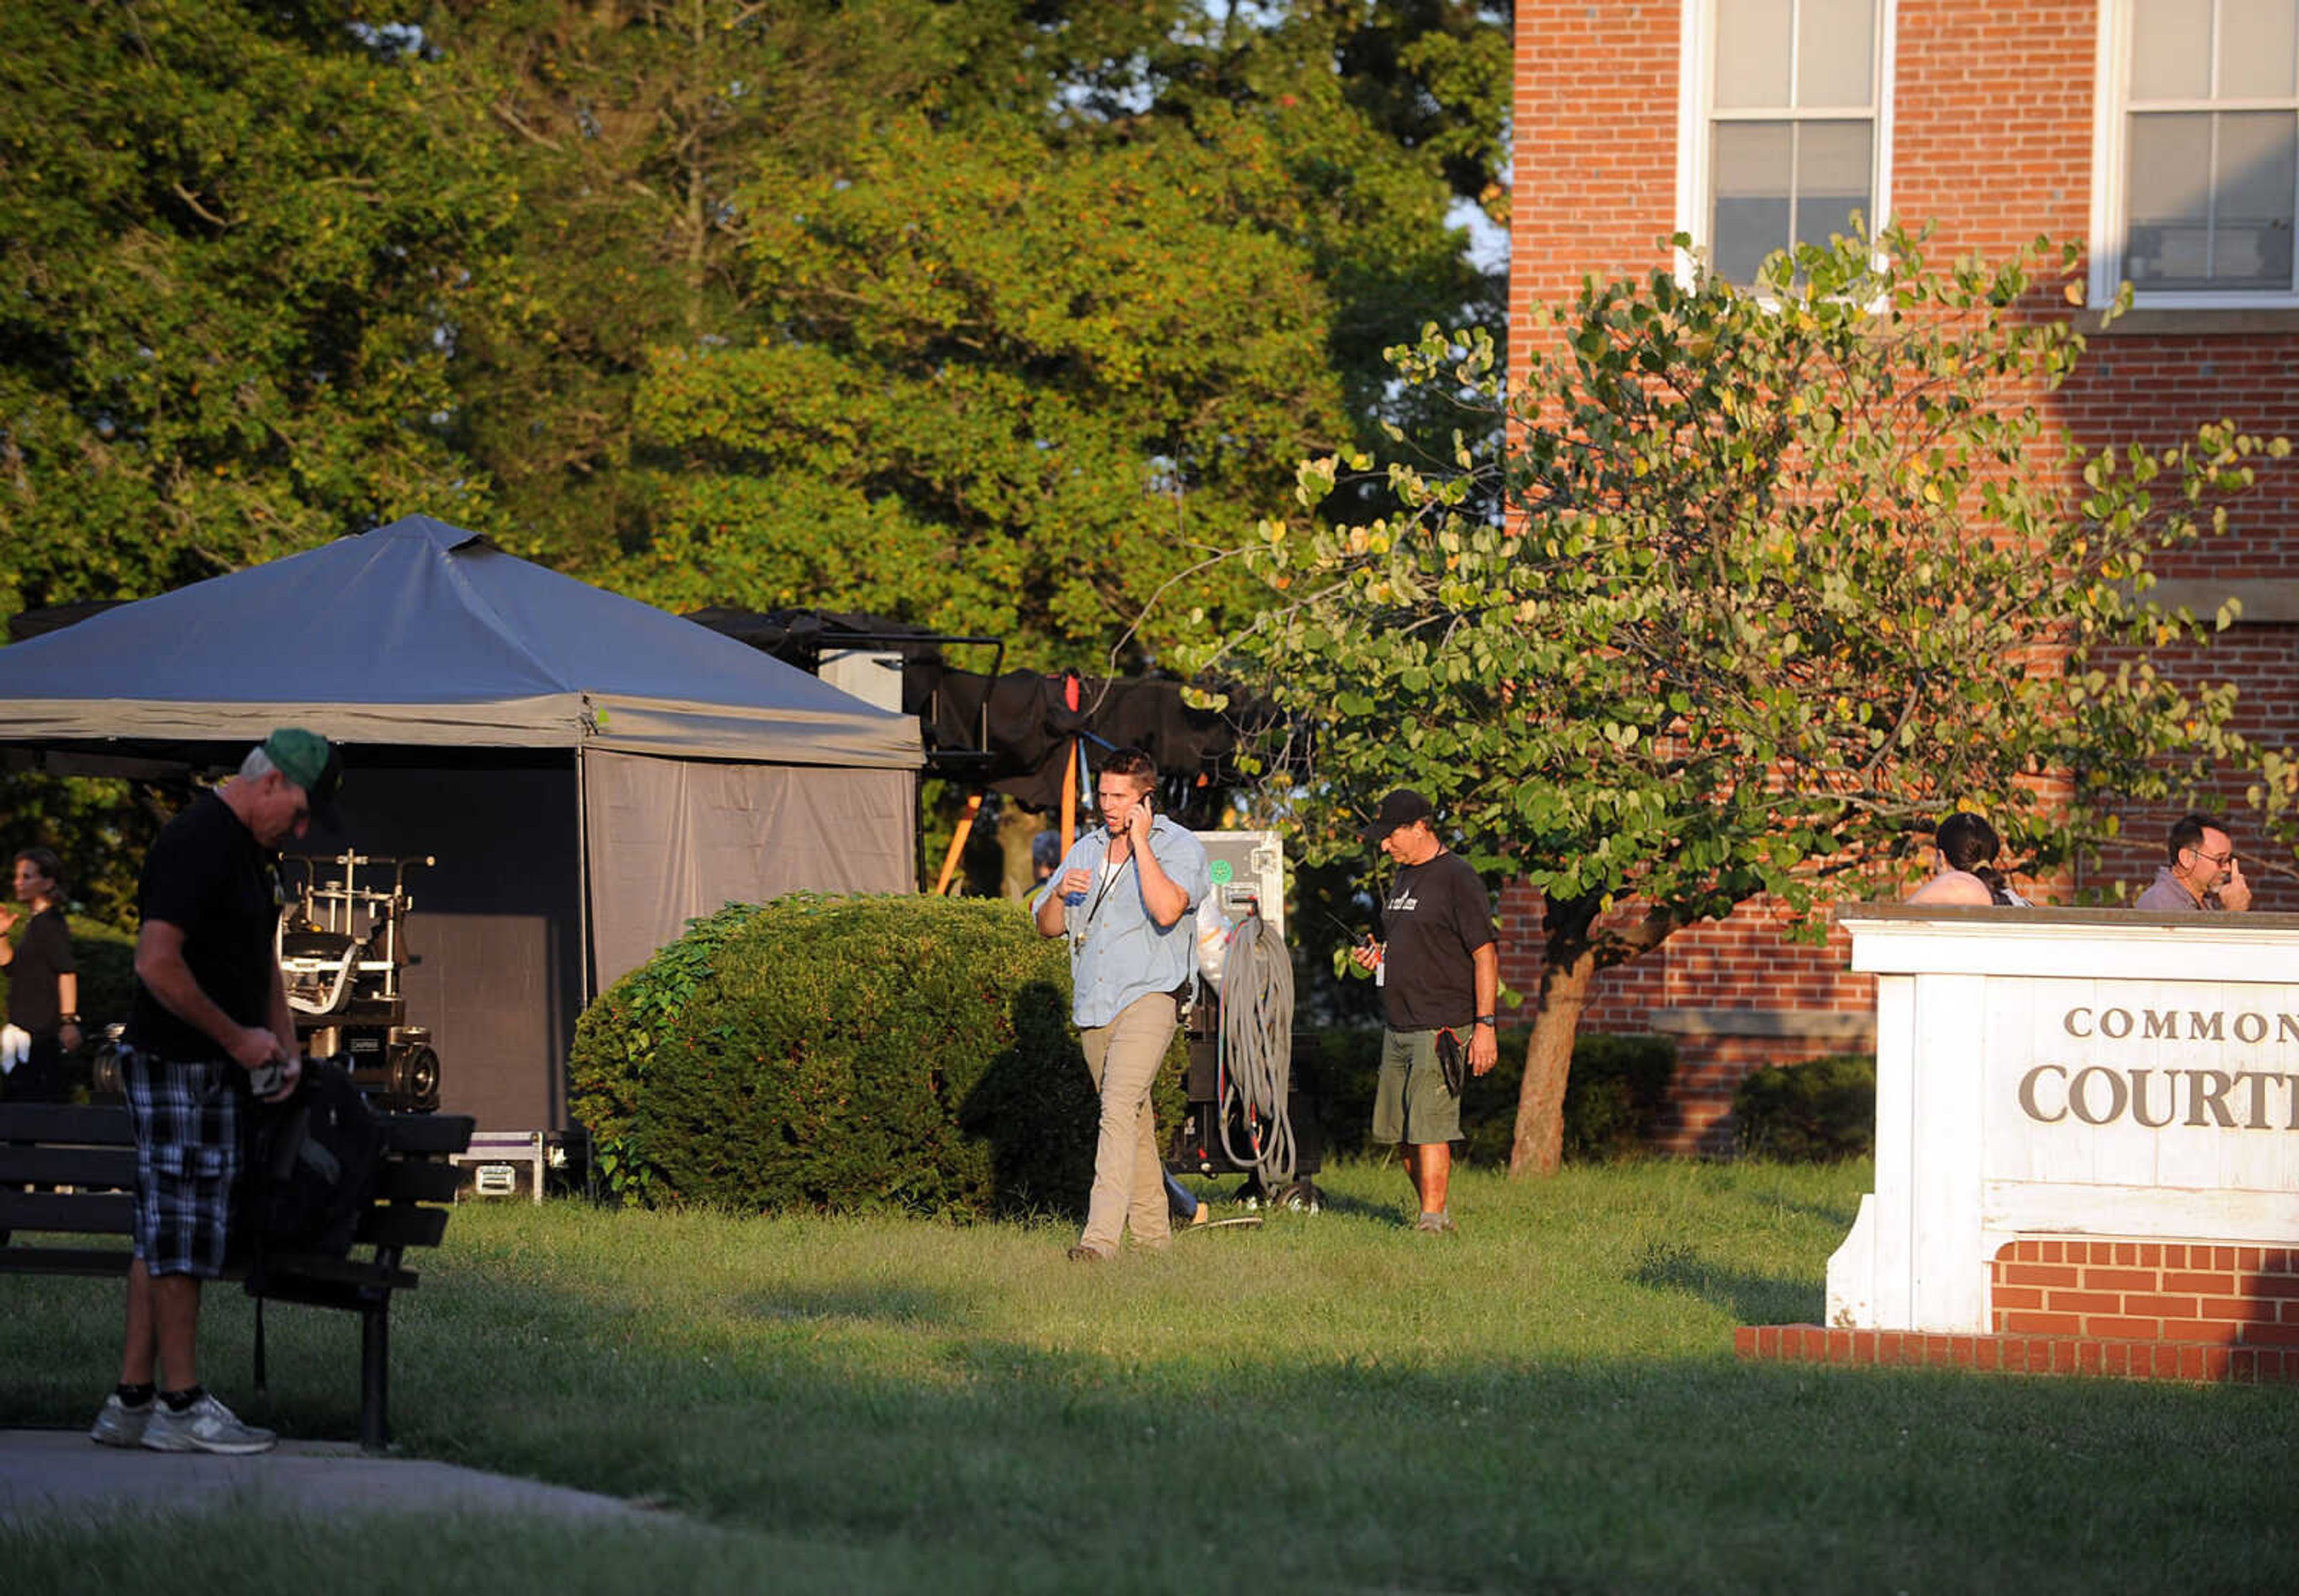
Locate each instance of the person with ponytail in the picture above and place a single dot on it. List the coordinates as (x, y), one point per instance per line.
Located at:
(1965, 846)
(43, 982)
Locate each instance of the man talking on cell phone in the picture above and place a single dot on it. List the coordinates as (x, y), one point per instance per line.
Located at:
(1123, 896)
(210, 1018)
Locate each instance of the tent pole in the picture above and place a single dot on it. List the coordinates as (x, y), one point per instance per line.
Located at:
(958, 844)
(583, 872)
(1069, 798)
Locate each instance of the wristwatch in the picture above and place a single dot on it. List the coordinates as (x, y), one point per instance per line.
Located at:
(1487, 1019)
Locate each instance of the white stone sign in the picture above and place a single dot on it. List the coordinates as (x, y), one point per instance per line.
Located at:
(2066, 1072)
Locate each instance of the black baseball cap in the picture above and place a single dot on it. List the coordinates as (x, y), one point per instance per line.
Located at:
(1401, 807)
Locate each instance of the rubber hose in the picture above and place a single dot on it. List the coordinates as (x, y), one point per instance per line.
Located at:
(1257, 1050)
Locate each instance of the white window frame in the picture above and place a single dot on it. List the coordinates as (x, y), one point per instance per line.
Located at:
(2112, 82)
(1695, 111)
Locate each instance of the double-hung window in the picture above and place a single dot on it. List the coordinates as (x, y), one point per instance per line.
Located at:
(1783, 131)
(2195, 151)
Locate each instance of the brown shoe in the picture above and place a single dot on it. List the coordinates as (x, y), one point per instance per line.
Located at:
(1084, 1254)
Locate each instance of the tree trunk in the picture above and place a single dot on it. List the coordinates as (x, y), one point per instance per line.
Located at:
(1565, 982)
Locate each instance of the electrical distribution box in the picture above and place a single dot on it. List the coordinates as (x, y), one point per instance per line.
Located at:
(1247, 868)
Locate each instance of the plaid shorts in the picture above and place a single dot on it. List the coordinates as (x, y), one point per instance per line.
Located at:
(186, 1120)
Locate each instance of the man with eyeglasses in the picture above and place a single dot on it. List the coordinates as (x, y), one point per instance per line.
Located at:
(2203, 874)
(210, 1028)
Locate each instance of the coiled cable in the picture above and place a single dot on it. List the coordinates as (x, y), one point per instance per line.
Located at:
(1254, 1059)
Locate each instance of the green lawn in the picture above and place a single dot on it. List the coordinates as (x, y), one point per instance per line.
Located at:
(1547, 1402)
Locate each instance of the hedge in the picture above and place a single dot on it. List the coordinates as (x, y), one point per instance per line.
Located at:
(1818, 1112)
(1615, 1095)
(841, 1053)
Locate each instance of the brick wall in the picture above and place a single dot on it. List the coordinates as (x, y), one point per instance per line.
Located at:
(2212, 1294)
(1991, 143)
(2147, 1309)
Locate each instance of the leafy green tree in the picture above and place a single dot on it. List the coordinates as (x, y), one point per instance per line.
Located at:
(980, 315)
(235, 237)
(1782, 574)
(1005, 390)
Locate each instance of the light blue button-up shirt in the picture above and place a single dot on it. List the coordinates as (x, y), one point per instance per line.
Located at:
(1118, 952)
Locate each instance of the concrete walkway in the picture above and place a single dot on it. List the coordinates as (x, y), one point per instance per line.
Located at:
(47, 1474)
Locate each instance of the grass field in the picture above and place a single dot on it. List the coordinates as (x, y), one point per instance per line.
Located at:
(1547, 1402)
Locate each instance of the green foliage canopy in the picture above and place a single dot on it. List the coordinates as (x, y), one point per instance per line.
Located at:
(1782, 574)
(233, 237)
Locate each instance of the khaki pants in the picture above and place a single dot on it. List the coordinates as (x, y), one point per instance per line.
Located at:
(1129, 1178)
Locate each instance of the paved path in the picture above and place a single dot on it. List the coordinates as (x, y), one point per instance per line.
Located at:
(51, 1473)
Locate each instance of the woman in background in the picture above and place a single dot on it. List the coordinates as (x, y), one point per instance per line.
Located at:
(1966, 846)
(43, 982)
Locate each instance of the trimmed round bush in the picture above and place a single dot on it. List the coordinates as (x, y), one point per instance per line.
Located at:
(841, 1053)
(1818, 1112)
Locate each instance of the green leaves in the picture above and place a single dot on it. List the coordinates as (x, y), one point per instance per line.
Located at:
(1781, 578)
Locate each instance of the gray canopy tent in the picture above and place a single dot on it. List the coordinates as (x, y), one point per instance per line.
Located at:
(590, 772)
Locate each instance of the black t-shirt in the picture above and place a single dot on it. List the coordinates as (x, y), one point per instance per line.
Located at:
(209, 877)
(1437, 916)
(43, 953)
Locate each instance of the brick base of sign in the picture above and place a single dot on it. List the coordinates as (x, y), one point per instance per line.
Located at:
(2159, 1311)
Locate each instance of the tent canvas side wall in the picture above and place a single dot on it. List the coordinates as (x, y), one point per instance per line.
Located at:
(670, 840)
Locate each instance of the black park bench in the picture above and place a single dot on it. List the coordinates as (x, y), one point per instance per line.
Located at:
(85, 1157)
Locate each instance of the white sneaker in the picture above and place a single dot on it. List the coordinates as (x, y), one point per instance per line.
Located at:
(207, 1426)
(120, 1424)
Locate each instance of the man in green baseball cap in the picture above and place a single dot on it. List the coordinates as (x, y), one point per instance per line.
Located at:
(209, 1028)
(308, 761)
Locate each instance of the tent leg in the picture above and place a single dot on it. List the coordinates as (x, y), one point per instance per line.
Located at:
(958, 844)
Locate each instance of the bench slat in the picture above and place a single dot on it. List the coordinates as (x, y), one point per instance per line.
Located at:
(112, 1166)
(401, 1224)
(102, 1125)
(64, 1260)
(88, 1213)
(418, 1180)
(427, 1133)
(332, 1282)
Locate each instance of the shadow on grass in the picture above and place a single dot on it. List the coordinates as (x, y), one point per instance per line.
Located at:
(1751, 1298)
(945, 1440)
(888, 1304)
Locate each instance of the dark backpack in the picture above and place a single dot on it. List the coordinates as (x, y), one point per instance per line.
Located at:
(311, 1166)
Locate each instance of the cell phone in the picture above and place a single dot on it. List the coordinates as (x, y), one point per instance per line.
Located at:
(265, 1080)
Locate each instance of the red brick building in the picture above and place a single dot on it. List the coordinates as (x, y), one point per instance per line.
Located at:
(2161, 135)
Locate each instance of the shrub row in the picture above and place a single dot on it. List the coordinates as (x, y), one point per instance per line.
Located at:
(1614, 1095)
(1817, 1111)
(842, 1053)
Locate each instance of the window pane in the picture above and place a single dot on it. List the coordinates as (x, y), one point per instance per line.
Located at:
(2169, 240)
(1752, 55)
(1832, 167)
(2250, 235)
(1753, 166)
(2171, 49)
(2170, 165)
(2259, 43)
(1835, 50)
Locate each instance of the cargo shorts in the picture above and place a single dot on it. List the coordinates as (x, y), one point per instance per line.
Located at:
(1410, 1104)
(186, 1116)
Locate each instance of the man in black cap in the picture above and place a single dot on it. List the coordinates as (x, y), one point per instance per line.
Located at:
(1441, 974)
(210, 1027)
